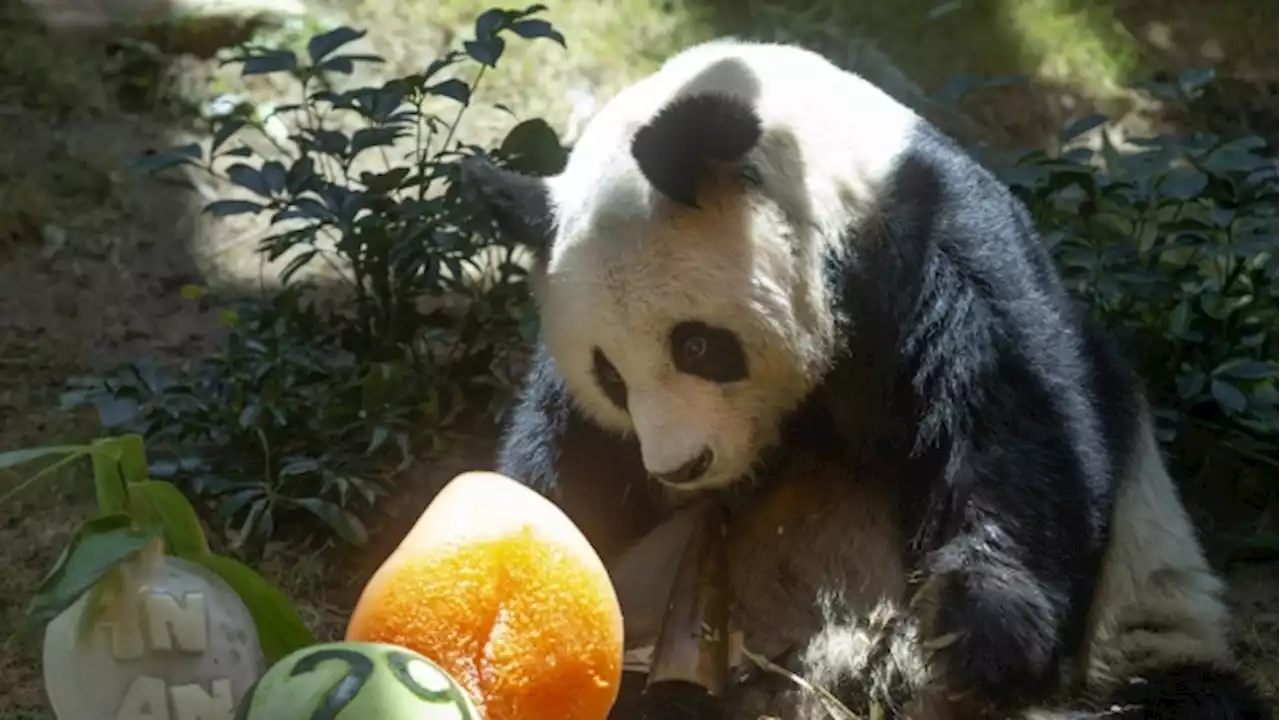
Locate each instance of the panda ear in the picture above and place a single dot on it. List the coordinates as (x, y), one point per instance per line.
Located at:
(521, 204)
(677, 148)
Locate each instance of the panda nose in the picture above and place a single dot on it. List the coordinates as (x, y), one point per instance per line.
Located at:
(688, 472)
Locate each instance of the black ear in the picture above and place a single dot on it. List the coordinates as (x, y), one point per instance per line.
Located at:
(521, 204)
(676, 148)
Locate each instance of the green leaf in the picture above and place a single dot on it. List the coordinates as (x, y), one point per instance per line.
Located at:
(271, 62)
(280, 630)
(193, 292)
(1081, 126)
(1111, 156)
(366, 138)
(346, 64)
(108, 478)
(534, 148)
(531, 10)
(18, 457)
(225, 129)
(486, 51)
(299, 466)
(530, 29)
(224, 208)
(489, 22)
(132, 455)
(1190, 384)
(1229, 397)
(249, 414)
(98, 546)
(384, 182)
(250, 178)
(1180, 319)
(1183, 183)
(1245, 369)
(347, 526)
(161, 507)
(274, 176)
(453, 89)
(320, 46)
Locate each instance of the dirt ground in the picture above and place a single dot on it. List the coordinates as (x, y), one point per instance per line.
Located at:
(91, 261)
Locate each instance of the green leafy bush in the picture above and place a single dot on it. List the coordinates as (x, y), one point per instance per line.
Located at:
(1173, 245)
(311, 407)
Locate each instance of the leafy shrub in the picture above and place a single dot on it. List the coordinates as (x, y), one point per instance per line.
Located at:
(306, 406)
(1173, 247)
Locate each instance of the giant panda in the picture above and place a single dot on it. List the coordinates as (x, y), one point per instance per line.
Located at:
(763, 281)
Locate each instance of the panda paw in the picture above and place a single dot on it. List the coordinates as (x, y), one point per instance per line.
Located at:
(990, 636)
(869, 661)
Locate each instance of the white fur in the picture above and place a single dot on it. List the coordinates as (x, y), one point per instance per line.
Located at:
(1155, 571)
(1154, 575)
(626, 265)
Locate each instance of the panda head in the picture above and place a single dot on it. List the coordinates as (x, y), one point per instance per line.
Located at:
(681, 256)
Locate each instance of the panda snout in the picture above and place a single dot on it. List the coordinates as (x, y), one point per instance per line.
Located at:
(689, 472)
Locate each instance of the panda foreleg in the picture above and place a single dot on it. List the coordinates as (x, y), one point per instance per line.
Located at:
(992, 626)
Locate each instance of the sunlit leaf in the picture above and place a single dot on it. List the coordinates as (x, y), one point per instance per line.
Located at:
(347, 526)
(1228, 396)
(159, 506)
(280, 629)
(98, 546)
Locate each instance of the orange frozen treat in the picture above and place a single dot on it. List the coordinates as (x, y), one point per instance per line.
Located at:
(496, 585)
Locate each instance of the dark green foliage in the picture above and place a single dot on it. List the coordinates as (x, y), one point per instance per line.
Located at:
(1173, 246)
(309, 409)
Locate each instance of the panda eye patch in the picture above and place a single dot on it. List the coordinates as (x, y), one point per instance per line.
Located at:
(609, 379)
(710, 353)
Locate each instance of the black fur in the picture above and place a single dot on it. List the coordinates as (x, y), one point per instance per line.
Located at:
(596, 477)
(966, 375)
(518, 203)
(676, 149)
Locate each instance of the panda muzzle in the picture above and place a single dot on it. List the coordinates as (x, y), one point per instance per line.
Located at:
(690, 471)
